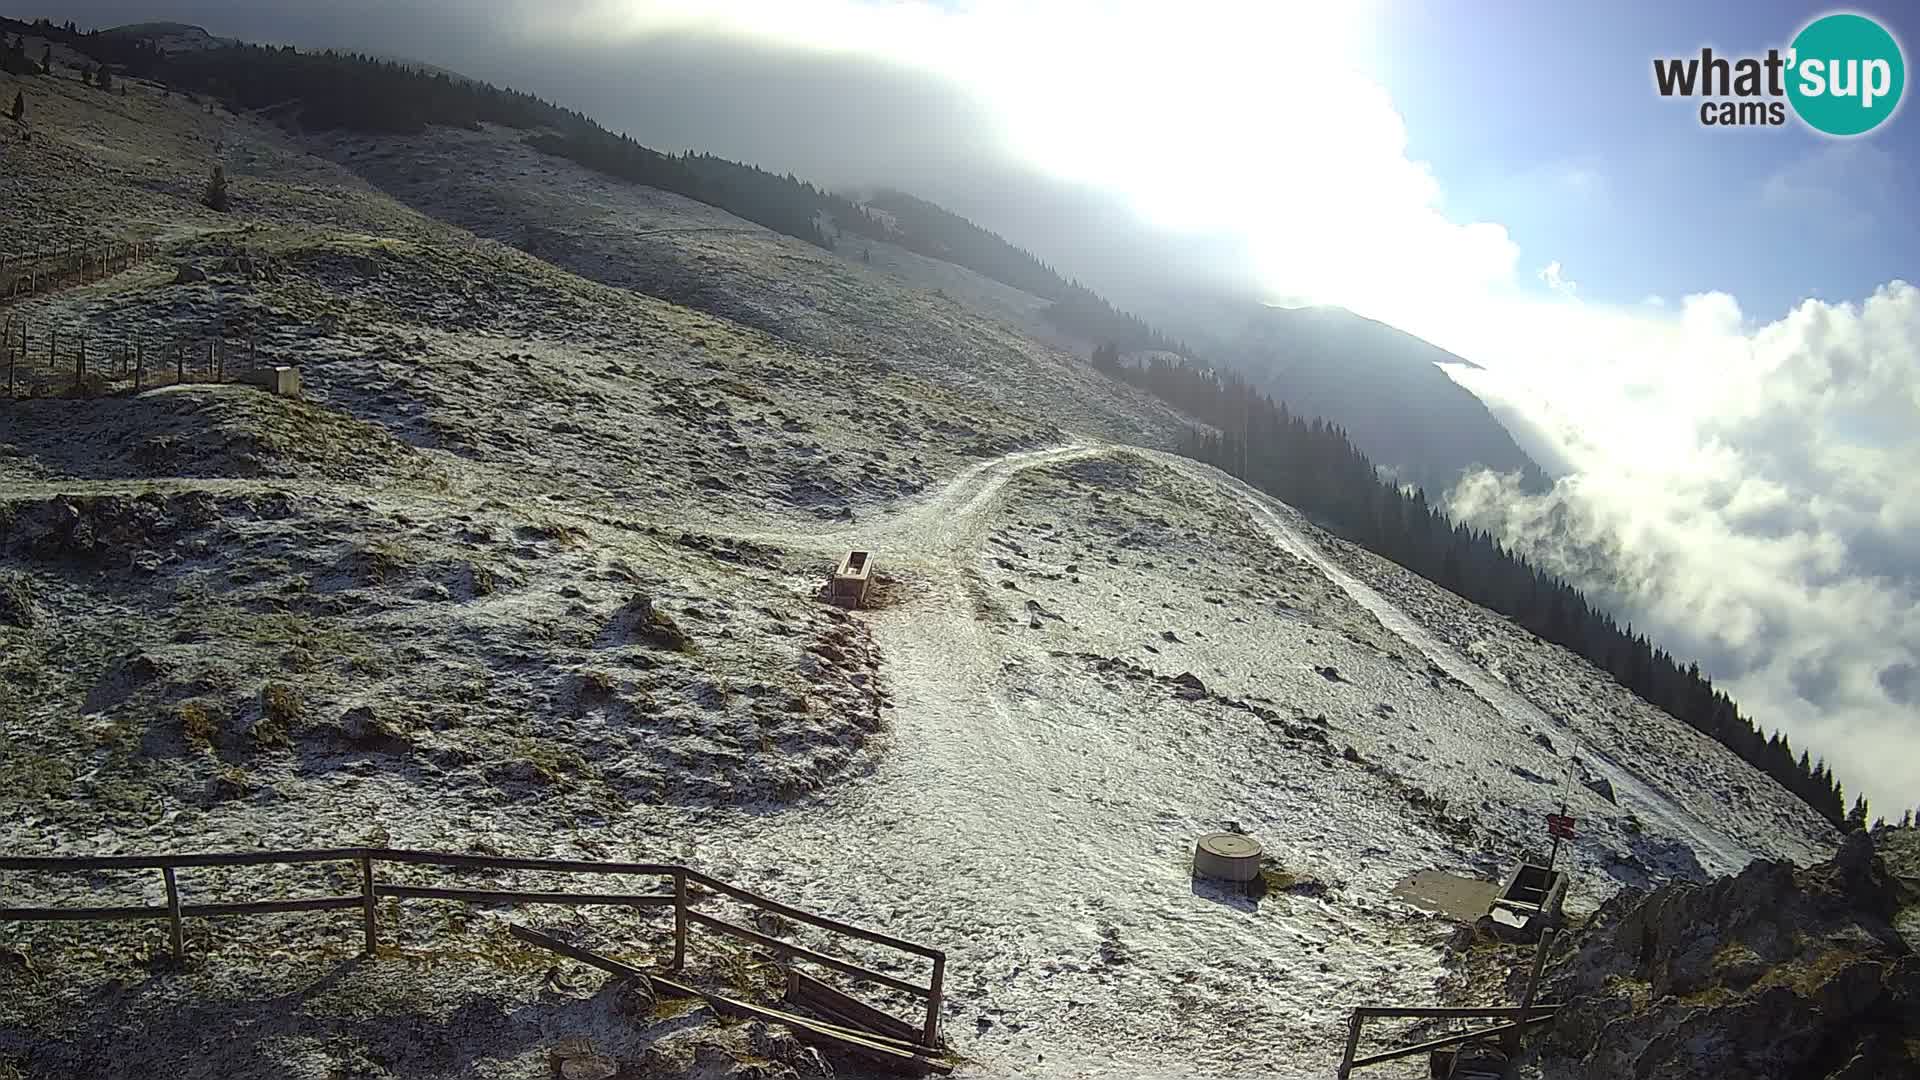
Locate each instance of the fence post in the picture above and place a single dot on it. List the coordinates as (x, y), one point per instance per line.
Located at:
(220, 374)
(209, 359)
(139, 365)
(930, 1036)
(1353, 1046)
(366, 901)
(80, 366)
(173, 916)
(679, 919)
(179, 362)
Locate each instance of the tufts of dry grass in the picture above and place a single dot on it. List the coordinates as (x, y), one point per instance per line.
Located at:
(197, 725)
(653, 625)
(280, 708)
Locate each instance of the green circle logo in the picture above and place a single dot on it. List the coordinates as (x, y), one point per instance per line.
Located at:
(1846, 74)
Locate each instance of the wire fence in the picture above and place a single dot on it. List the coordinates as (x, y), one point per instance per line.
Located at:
(33, 273)
(46, 360)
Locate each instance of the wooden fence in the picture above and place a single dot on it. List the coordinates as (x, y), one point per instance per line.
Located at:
(49, 361)
(1519, 1019)
(32, 273)
(372, 889)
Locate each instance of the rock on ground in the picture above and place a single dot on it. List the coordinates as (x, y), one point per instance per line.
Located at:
(1775, 972)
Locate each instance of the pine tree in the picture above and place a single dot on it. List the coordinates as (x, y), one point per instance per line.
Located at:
(216, 196)
(103, 78)
(19, 110)
(86, 75)
(1857, 818)
(46, 61)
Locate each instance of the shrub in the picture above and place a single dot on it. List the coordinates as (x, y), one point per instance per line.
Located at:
(654, 625)
(280, 706)
(216, 196)
(197, 725)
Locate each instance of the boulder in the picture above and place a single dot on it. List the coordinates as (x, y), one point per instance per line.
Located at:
(1775, 972)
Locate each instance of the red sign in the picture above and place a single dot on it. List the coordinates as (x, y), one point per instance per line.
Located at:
(1560, 825)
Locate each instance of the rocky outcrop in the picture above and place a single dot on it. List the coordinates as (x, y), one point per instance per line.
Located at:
(1775, 972)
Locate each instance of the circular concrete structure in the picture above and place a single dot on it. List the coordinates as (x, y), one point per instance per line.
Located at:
(1227, 856)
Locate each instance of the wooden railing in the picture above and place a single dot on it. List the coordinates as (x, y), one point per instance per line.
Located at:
(1519, 1018)
(372, 889)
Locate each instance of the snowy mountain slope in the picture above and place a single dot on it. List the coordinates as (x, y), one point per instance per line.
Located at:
(1088, 655)
(1048, 774)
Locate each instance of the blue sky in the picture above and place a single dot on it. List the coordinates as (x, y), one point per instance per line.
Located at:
(1543, 117)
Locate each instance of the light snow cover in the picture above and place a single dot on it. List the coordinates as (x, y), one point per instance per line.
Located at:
(1036, 819)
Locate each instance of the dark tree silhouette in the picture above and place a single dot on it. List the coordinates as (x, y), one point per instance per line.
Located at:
(19, 110)
(216, 196)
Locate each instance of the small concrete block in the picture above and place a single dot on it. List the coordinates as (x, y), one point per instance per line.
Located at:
(283, 381)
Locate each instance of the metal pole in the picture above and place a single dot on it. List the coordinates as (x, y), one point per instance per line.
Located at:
(366, 901)
(173, 916)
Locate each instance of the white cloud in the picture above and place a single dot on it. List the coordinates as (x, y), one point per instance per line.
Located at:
(1557, 280)
(1754, 496)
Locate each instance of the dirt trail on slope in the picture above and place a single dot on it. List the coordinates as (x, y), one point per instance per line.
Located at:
(1717, 853)
(933, 531)
(1041, 832)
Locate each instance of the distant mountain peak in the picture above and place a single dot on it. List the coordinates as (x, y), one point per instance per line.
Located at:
(172, 36)
(1333, 316)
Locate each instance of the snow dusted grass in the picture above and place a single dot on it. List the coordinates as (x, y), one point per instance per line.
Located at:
(1756, 817)
(826, 304)
(243, 656)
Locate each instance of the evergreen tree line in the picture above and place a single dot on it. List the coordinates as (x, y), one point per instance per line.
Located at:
(325, 91)
(1311, 465)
